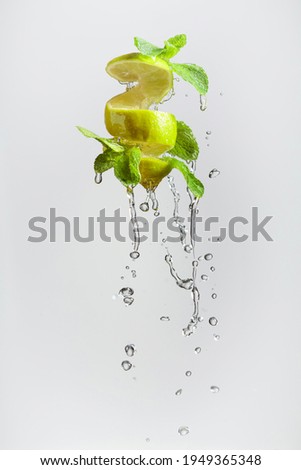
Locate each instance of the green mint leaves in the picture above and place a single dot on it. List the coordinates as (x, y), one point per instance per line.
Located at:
(106, 142)
(126, 167)
(171, 48)
(186, 146)
(105, 161)
(195, 185)
(191, 73)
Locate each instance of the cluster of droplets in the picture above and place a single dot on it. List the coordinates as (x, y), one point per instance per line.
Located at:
(130, 351)
(150, 198)
(127, 295)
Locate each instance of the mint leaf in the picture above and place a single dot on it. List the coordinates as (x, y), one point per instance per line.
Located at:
(126, 167)
(105, 161)
(107, 142)
(195, 186)
(193, 74)
(186, 147)
(173, 46)
(146, 48)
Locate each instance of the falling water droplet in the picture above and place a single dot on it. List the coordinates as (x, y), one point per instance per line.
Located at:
(156, 213)
(208, 132)
(188, 248)
(183, 430)
(128, 301)
(134, 254)
(188, 373)
(214, 295)
(197, 350)
(213, 321)
(126, 291)
(122, 277)
(130, 350)
(164, 318)
(144, 206)
(126, 365)
(214, 173)
(134, 274)
(195, 264)
(216, 337)
(212, 268)
(203, 103)
(208, 256)
(204, 277)
(98, 178)
(178, 392)
(214, 389)
(127, 267)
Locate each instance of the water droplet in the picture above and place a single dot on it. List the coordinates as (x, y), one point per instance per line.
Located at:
(134, 254)
(200, 258)
(122, 277)
(214, 295)
(197, 350)
(126, 291)
(156, 214)
(134, 274)
(216, 337)
(98, 178)
(130, 350)
(144, 206)
(178, 392)
(221, 93)
(164, 318)
(147, 439)
(203, 103)
(214, 389)
(204, 277)
(208, 145)
(114, 297)
(188, 248)
(212, 268)
(208, 132)
(183, 430)
(188, 373)
(127, 267)
(195, 264)
(128, 300)
(213, 321)
(208, 256)
(200, 319)
(126, 365)
(214, 173)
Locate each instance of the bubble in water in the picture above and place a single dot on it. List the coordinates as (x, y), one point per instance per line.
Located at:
(188, 248)
(214, 389)
(144, 206)
(183, 430)
(208, 132)
(188, 373)
(213, 321)
(114, 297)
(204, 277)
(164, 318)
(134, 274)
(126, 291)
(197, 350)
(130, 350)
(214, 295)
(214, 173)
(134, 254)
(212, 268)
(128, 300)
(208, 256)
(178, 392)
(203, 103)
(126, 365)
(216, 337)
(98, 178)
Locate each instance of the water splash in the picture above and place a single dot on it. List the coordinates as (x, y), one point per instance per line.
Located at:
(184, 283)
(136, 233)
(176, 217)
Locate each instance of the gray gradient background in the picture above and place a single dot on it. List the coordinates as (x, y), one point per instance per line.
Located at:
(62, 335)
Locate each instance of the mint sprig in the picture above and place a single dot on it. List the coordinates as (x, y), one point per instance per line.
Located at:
(195, 185)
(191, 73)
(105, 161)
(186, 146)
(106, 142)
(126, 167)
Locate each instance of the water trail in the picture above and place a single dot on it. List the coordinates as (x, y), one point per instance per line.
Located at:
(184, 283)
(203, 102)
(176, 198)
(136, 233)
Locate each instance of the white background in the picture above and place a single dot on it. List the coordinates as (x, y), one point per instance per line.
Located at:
(62, 336)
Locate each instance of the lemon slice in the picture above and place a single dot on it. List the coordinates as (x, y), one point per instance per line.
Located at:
(127, 115)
